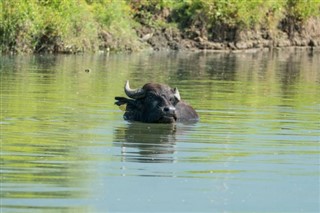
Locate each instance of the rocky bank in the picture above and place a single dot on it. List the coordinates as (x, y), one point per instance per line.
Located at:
(305, 34)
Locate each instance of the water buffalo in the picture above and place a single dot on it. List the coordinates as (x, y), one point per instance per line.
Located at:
(155, 103)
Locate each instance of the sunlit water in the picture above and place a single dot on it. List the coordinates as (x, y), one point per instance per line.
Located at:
(66, 148)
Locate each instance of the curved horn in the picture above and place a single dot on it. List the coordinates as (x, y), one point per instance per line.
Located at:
(133, 93)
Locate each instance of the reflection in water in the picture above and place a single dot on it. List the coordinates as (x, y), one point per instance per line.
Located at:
(146, 143)
(37, 168)
(66, 148)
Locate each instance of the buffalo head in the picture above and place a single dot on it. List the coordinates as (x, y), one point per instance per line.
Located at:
(155, 103)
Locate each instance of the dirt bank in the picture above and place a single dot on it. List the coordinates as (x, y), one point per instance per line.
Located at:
(305, 34)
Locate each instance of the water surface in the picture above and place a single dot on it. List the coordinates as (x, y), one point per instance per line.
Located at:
(66, 148)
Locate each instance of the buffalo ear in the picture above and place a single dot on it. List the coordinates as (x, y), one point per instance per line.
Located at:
(176, 94)
(121, 101)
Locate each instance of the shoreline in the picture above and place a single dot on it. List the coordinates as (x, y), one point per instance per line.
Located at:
(155, 26)
(288, 49)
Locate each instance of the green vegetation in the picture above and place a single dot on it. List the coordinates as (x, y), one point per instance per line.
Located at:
(81, 25)
(246, 13)
(215, 18)
(32, 25)
(61, 25)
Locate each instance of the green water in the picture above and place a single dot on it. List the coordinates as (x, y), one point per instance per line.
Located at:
(66, 148)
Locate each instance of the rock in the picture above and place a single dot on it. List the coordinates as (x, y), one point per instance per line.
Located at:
(242, 45)
(232, 46)
(174, 45)
(282, 43)
(207, 45)
(298, 41)
(146, 37)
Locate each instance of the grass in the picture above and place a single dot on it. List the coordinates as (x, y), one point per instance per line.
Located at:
(244, 13)
(54, 25)
(76, 25)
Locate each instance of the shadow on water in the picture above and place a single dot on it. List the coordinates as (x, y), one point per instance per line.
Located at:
(146, 143)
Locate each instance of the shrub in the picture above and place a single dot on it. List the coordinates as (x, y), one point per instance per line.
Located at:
(52, 25)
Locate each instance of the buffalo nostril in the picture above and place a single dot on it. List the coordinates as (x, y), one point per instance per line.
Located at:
(169, 110)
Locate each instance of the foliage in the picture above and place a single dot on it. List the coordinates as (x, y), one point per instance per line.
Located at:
(302, 9)
(36, 25)
(244, 12)
(229, 12)
(149, 12)
(108, 12)
(33, 25)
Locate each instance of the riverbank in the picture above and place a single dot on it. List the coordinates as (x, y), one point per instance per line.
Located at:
(90, 26)
(242, 39)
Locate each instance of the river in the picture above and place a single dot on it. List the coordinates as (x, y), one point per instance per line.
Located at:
(66, 148)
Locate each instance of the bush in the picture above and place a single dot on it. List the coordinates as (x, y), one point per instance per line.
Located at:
(232, 13)
(302, 9)
(54, 25)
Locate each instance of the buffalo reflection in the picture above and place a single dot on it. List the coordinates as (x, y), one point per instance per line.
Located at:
(146, 143)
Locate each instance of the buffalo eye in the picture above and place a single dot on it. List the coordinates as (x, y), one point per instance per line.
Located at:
(173, 100)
